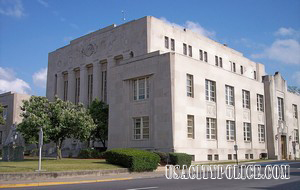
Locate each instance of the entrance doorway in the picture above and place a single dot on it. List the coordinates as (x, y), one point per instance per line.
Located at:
(283, 147)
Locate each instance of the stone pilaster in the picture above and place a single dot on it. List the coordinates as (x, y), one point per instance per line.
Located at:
(83, 86)
(71, 86)
(96, 81)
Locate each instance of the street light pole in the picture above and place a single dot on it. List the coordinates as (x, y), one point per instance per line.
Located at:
(40, 148)
(236, 149)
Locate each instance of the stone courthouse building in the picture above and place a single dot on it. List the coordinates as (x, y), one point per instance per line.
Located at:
(170, 89)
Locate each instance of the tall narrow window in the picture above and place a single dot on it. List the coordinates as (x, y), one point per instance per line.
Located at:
(216, 61)
(260, 102)
(261, 133)
(77, 89)
(166, 42)
(296, 137)
(295, 111)
(254, 75)
(229, 95)
(55, 84)
(104, 86)
(65, 87)
(242, 70)
(0, 137)
(201, 55)
(184, 49)
(4, 112)
(280, 109)
(141, 128)
(247, 132)
(211, 129)
(190, 51)
(172, 44)
(233, 67)
(246, 99)
(221, 62)
(90, 88)
(190, 126)
(230, 130)
(210, 90)
(205, 57)
(141, 88)
(189, 85)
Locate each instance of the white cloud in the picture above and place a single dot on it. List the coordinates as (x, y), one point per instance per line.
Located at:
(12, 8)
(44, 3)
(287, 32)
(9, 82)
(193, 26)
(296, 77)
(40, 78)
(283, 50)
(249, 43)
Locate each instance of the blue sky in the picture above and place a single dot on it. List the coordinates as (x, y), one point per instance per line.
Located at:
(264, 31)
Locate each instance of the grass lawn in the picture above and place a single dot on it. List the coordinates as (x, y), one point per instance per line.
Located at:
(66, 164)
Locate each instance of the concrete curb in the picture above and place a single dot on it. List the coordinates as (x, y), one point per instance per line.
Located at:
(53, 175)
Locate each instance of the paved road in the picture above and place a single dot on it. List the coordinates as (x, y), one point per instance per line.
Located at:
(174, 184)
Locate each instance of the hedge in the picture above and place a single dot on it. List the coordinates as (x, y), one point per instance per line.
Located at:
(133, 159)
(164, 157)
(180, 159)
(89, 153)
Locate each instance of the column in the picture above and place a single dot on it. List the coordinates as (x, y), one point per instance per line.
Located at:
(83, 86)
(60, 85)
(71, 86)
(96, 81)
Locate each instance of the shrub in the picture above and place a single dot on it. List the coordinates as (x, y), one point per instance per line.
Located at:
(164, 157)
(133, 159)
(89, 153)
(180, 159)
(85, 153)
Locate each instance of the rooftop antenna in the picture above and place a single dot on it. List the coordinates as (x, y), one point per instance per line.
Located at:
(123, 13)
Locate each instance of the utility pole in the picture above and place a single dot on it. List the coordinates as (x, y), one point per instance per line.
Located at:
(236, 149)
(40, 148)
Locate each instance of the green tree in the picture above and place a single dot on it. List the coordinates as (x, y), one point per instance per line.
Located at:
(2, 122)
(60, 120)
(99, 112)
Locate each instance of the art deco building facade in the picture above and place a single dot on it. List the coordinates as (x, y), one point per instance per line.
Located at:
(170, 89)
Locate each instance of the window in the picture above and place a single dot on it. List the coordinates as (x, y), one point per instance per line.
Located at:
(184, 49)
(216, 60)
(216, 157)
(190, 51)
(104, 86)
(229, 157)
(221, 62)
(234, 156)
(190, 126)
(4, 113)
(260, 102)
(1, 138)
(251, 156)
(90, 88)
(201, 55)
(190, 85)
(166, 42)
(295, 111)
(211, 129)
(65, 90)
(230, 130)
(141, 128)
(296, 137)
(247, 132)
(254, 73)
(280, 109)
(141, 89)
(242, 70)
(261, 133)
(209, 157)
(77, 90)
(233, 68)
(210, 90)
(172, 44)
(205, 57)
(229, 95)
(246, 99)
(247, 156)
(55, 84)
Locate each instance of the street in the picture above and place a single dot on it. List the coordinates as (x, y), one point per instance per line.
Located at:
(163, 183)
